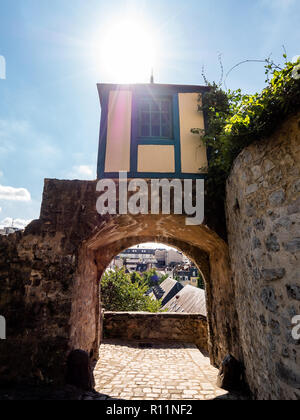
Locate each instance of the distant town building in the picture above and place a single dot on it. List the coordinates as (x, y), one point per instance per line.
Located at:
(138, 252)
(173, 257)
(168, 257)
(8, 230)
(160, 255)
(137, 259)
(143, 259)
(187, 275)
(167, 261)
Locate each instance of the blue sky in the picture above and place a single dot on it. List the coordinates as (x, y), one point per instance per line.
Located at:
(49, 108)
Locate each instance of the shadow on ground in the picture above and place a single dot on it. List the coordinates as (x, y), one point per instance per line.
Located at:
(69, 393)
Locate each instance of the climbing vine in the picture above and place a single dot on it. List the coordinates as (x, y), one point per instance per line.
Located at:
(235, 120)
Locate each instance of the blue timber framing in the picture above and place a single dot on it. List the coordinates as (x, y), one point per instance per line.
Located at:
(152, 90)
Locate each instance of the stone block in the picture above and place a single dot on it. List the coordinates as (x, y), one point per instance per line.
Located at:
(272, 243)
(293, 246)
(277, 198)
(293, 291)
(268, 299)
(273, 274)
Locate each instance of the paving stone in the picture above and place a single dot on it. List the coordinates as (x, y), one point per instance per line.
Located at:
(167, 371)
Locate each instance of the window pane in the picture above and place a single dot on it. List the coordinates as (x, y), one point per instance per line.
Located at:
(166, 132)
(155, 119)
(145, 118)
(165, 106)
(155, 107)
(165, 118)
(155, 131)
(145, 106)
(145, 131)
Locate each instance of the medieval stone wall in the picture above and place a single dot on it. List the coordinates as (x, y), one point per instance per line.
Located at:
(50, 274)
(35, 299)
(263, 213)
(137, 326)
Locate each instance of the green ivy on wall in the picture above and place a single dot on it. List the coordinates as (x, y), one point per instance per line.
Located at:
(235, 120)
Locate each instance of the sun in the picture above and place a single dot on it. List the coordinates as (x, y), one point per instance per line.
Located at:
(128, 52)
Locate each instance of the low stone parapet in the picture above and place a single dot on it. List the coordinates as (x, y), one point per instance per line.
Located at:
(136, 326)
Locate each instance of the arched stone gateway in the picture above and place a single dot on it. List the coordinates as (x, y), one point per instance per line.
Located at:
(49, 275)
(200, 244)
(51, 297)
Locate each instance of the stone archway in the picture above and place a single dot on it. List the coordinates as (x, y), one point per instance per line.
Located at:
(57, 264)
(199, 243)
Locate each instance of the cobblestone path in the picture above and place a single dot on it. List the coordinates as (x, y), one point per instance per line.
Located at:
(161, 371)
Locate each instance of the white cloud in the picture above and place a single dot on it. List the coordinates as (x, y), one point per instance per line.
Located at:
(85, 172)
(2, 67)
(14, 194)
(1, 174)
(17, 223)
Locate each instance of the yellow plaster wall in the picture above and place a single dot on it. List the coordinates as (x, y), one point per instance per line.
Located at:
(157, 159)
(193, 152)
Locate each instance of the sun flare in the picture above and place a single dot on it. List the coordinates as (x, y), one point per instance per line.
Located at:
(128, 52)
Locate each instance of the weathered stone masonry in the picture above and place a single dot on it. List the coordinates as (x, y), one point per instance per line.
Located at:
(164, 327)
(263, 209)
(49, 280)
(34, 299)
(49, 276)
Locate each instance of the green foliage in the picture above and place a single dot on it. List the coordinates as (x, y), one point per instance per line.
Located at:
(148, 277)
(135, 278)
(120, 294)
(163, 278)
(201, 284)
(235, 120)
(254, 116)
